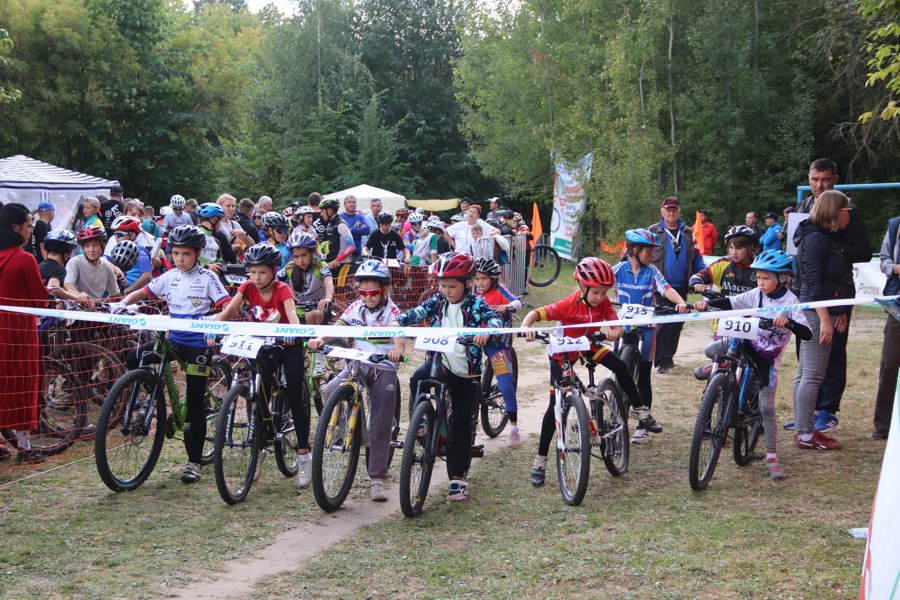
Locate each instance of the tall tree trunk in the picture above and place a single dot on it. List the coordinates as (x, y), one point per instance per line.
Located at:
(319, 56)
(672, 108)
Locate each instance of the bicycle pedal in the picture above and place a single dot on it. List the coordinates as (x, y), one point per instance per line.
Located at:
(477, 451)
(397, 444)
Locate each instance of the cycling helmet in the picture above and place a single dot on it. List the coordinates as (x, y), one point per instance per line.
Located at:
(262, 254)
(288, 212)
(384, 218)
(124, 255)
(594, 272)
(517, 216)
(331, 203)
(302, 239)
(641, 236)
(177, 202)
(132, 224)
(402, 212)
(456, 218)
(454, 265)
(739, 230)
(374, 268)
(186, 235)
(273, 219)
(493, 222)
(435, 226)
(488, 266)
(421, 211)
(304, 210)
(60, 240)
(91, 232)
(775, 261)
(209, 210)
(165, 210)
(416, 218)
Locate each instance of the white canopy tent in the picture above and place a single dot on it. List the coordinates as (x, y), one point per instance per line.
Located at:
(364, 194)
(31, 182)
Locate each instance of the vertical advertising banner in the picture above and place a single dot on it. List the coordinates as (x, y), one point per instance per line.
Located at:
(568, 203)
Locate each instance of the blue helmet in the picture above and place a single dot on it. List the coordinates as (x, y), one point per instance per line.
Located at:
(641, 236)
(775, 261)
(209, 210)
(374, 268)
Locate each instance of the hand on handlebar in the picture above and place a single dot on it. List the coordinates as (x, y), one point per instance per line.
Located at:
(700, 287)
(682, 308)
(614, 333)
(210, 339)
(701, 305)
(315, 343)
(323, 304)
(780, 321)
(481, 340)
(395, 355)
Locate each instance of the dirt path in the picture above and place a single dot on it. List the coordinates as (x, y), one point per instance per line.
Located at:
(292, 548)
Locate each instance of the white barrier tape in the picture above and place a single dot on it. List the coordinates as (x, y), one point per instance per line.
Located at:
(162, 323)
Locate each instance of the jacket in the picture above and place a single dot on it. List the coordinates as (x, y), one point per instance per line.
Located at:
(823, 272)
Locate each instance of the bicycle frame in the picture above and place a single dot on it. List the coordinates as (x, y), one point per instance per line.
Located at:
(248, 372)
(738, 369)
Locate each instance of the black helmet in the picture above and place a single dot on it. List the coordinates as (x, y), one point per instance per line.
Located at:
(384, 218)
(263, 254)
(274, 219)
(186, 235)
(124, 255)
(331, 203)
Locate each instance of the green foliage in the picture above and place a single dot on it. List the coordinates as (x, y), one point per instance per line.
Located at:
(884, 48)
(6, 44)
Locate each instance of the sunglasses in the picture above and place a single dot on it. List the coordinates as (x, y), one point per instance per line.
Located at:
(281, 230)
(120, 234)
(368, 293)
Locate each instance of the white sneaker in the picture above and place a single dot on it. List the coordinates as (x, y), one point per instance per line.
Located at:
(640, 436)
(515, 438)
(319, 367)
(376, 491)
(304, 469)
(260, 459)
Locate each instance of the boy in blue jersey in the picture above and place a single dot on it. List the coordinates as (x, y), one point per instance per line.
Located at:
(191, 292)
(636, 281)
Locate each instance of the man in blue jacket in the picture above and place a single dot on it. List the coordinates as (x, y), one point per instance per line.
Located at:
(890, 351)
(357, 224)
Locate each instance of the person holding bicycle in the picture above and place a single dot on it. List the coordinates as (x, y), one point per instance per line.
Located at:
(588, 305)
(732, 274)
(374, 308)
(191, 292)
(487, 285)
(637, 278)
(309, 278)
(774, 273)
(455, 305)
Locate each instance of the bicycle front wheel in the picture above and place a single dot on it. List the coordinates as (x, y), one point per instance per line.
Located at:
(545, 266)
(336, 449)
(612, 423)
(286, 440)
(418, 458)
(493, 407)
(629, 355)
(747, 431)
(130, 431)
(573, 459)
(216, 389)
(710, 431)
(236, 451)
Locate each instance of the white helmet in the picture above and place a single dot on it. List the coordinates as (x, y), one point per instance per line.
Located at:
(177, 202)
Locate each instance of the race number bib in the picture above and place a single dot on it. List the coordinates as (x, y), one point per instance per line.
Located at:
(746, 328)
(435, 344)
(243, 345)
(348, 353)
(235, 279)
(559, 345)
(635, 311)
(393, 263)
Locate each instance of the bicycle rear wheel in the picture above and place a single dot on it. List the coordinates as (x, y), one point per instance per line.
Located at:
(216, 390)
(130, 431)
(545, 265)
(286, 440)
(573, 460)
(747, 431)
(710, 431)
(612, 423)
(418, 458)
(336, 449)
(493, 407)
(629, 355)
(236, 451)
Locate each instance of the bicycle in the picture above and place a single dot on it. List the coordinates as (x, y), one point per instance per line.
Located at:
(254, 418)
(426, 437)
(730, 401)
(133, 422)
(493, 407)
(605, 428)
(339, 435)
(544, 265)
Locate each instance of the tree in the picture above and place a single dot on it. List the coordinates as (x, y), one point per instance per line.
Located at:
(6, 44)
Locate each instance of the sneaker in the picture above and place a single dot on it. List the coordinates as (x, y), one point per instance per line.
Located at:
(640, 436)
(651, 425)
(4, 453)
(640, 413)
(30, 457)
(880, 435)
(260, 459)
(320, 367)
(459, 491)
(538, 472)
(827, 422)
(703, 373)
(819, 441)
(773, 467)
(515, 438)
(191, 473)
(663, 369)
(790, 426)
(304, 469)
(376, 491)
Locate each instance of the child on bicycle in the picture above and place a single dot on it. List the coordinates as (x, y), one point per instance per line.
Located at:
(277, 228)
(732, 274)
(191, 292)
(309, 278)
(636, 281)
(263, 290)
(374, 308)
(487, 285)
(455, 306)
(774, 273)
(588, 305)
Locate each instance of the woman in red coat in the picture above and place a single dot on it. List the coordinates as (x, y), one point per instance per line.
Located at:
(20, 356)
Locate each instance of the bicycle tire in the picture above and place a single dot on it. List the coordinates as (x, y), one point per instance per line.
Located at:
(236, 452)
(629, 355)
(573, 462)
(417, 462)
(96, 368)
(493, 406)
(336, 449)
(746, 432)
(612, 425)
(117, 442)
(710, 431)
(545, 267)
(216, 389)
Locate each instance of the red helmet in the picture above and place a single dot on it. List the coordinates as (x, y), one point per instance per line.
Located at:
(401, 212)
(91, 232)
(124, 223)
(594, 272)
(454, 265)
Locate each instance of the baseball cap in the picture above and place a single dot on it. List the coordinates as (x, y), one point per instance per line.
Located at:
(670, 201)
(704, 211)
(771, 215)
(93, 201)
(115, 189)
(45, 206)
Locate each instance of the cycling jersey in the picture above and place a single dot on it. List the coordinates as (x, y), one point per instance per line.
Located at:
(210, 252)
(313, 288)
(731, 277)
(357, 315)
(336, 238)
(286, 256)
(189, 294)
(500, 296)
(638, 289)
(173, 220)
(573, 310)
(281, 292)
(422, 249)
(386, 246)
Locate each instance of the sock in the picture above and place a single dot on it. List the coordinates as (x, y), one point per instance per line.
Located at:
(806, 436)
(771, 456)
(514, 427)
(22, 440)
(540, 462)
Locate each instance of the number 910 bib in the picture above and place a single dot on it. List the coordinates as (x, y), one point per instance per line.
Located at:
(746, 328)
